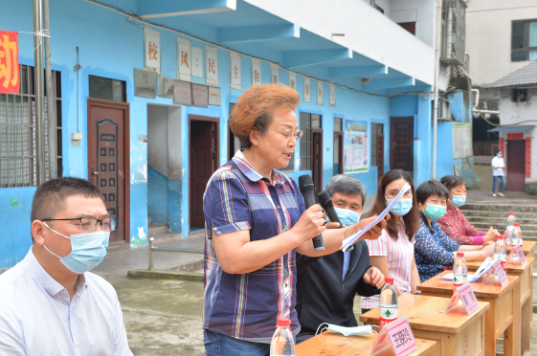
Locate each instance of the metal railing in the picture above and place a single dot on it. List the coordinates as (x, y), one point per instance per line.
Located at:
(167, 249)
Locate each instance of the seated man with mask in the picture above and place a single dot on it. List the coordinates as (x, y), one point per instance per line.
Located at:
(49, 303)
(327, 286)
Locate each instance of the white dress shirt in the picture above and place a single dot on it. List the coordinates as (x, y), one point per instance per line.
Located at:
(497, 162)
(37, 317)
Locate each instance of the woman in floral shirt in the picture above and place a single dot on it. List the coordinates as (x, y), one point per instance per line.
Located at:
(454, 223)
(433, 250)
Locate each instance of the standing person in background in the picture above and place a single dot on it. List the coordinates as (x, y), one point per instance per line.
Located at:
(327, 286)
(393, 252)
(498, 172)
(255, 222)
(454, 223)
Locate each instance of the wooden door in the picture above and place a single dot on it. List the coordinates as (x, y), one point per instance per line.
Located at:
(338, 153)
(204, 156)
(401, 139)
(108, 160)
(380, 156)
(317, 159)
(516, 165)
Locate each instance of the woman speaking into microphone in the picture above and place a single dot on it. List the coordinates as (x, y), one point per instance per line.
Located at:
(255, 222)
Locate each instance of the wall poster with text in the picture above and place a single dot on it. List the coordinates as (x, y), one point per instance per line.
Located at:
(462, 140)
(356, 143)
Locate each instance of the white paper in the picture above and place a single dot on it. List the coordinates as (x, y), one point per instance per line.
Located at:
(184, 60)
(153, 51)
(292, 80)
(485, 266)
(211, 66)
(349, 241)
(274, 73)
(320, 97)
(307, 90)
(197, 62)
(256, 71)
(332, 97)
(235, 63)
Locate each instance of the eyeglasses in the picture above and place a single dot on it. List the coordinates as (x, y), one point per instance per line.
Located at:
(90, 224)
(288, 134)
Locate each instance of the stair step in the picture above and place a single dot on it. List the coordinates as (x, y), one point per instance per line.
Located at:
(158, 229)
(485, 226)
(499, 222)
(498, 214)
(506, 208)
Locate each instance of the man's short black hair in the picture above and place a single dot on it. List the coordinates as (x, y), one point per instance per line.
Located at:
(347, 185)
(432, 187)
(49, 198)
(451, 181)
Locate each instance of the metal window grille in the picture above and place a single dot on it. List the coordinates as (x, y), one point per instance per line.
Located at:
(305, 142)
(17, 134)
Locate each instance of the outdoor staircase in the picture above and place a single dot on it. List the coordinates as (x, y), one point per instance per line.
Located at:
(483, 216)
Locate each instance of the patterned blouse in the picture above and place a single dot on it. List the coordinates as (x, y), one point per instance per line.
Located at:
(459, 229)
(433, 250)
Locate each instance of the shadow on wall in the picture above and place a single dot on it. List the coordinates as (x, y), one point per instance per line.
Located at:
(465, 169)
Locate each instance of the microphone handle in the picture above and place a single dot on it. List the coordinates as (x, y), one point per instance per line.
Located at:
(309, 200)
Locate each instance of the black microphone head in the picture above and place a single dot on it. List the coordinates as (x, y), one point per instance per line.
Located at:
(305, 183)
(324, 199)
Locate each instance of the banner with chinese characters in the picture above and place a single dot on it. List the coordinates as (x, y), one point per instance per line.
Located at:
(356, 155)
(307, 90)
(292, 80)
(197, 62)
(320, 88)
(211, 66)
(274, 73)
(153, 51)
(462, 140)
(256, 71)
(184, 62)
(332, 94)
(9, 62)
(235, 62)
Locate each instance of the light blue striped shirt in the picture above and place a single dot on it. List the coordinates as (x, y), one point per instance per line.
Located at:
(37, 317)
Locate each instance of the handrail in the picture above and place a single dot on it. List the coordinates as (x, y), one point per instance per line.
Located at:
(168, 249)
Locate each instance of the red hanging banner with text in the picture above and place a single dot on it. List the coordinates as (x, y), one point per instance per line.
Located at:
(528, 157)
(9, 62)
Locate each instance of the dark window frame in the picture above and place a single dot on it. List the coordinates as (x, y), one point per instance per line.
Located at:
(521, 53)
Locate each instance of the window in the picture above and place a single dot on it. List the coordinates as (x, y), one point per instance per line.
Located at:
(18, 165)
(338, 146)
(307, 123)
(107, 89)
(234, 143)
(520, 95)
(523, 41)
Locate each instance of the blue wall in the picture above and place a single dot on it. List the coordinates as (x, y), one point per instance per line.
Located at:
(157, 193)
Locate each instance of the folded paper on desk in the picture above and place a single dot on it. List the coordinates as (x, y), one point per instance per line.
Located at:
(349, 241)
(485, 266)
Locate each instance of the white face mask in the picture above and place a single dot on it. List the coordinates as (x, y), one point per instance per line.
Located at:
(348, 331)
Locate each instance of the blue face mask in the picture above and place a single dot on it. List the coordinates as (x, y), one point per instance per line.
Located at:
(434, 212)
(87, 250)
(499, 155)
(401, 207)
(347, 217)
(458, 200)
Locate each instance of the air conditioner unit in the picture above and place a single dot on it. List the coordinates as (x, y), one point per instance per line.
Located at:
(453, 32)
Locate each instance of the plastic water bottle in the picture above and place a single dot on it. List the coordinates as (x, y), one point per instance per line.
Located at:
(460, 271)
(517, 235)
(514, 256)
(511, 220)
(388, 303)
(282, 343)
(500, 251)
(509, 231)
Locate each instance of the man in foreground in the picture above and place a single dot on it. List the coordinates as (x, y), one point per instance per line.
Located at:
(49, 303)
(327, 286)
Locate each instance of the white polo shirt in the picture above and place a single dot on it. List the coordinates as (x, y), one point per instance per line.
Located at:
(497, 162)
(37, 317)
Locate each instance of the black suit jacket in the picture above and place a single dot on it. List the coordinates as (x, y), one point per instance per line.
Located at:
(322, 294)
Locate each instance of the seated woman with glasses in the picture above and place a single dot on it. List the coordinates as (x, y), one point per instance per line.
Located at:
(454, 223)
(434, 251)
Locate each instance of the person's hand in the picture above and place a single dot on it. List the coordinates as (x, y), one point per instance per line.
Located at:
(310, 224)
(489, 243)
(491, 235)
(487, 251)
(374, 277)
(375, 231)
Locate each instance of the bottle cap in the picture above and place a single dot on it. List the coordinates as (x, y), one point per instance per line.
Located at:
(517, 224)
(388, 280)
(460, 254)
(499, 237)
(511, 213)
(513, 245)
(283, 322)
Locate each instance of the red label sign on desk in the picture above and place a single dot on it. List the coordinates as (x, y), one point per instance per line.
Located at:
(520, 253)
(399, 335)
(465, 294)
(500, 273)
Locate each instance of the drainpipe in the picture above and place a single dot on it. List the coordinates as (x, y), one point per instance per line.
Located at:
(51, 105)
(436, 77)
(39, 92)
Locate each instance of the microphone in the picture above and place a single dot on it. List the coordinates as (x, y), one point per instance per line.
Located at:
(305, 183)
(328, 206)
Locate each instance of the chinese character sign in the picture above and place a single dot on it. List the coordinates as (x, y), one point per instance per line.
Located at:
(197, 62)
(292, 80)
(211, 66)
(256, 71)
(9, 62)
(274, 74)
(153, 51)
(184, 60)
(235, 62)
(307, 89)
(356, 155)
(320, 87)
(332, 97)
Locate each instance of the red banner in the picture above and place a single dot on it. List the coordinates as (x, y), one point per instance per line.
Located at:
(528, 157)
(515, 136)
(9, 62)
(502, 146)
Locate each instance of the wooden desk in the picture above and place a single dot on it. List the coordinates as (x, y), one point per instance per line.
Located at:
(527, 247)
(456, 333)
(333, 344)
(498, 319)
(522, 317)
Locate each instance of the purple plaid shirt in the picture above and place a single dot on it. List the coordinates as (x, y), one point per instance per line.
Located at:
(246, 306)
